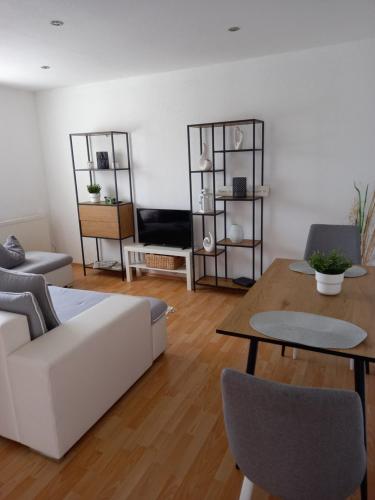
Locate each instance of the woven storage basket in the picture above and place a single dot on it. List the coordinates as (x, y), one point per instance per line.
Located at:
(164, 261)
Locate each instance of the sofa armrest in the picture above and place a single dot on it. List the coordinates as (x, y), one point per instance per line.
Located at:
(63, 381)
(14, 333)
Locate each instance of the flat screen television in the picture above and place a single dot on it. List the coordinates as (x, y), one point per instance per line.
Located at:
(164, 227)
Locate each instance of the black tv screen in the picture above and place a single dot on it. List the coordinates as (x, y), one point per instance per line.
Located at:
(164, 227)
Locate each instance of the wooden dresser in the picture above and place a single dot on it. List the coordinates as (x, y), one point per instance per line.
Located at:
(99, 220)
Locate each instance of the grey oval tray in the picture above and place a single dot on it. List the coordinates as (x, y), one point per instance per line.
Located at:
(308, 329)
(301, 266)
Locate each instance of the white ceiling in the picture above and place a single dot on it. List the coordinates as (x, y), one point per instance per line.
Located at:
(103, 40)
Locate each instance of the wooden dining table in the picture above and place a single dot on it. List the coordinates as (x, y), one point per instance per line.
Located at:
(280, 289)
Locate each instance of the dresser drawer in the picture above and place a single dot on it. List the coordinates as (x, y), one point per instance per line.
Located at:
(98, 213)
(100, 229)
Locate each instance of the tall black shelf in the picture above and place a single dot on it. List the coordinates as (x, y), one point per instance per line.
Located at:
(221, 244)
(120, 206)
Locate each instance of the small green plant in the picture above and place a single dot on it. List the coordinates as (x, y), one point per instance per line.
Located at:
(333, 263)
(94, 188)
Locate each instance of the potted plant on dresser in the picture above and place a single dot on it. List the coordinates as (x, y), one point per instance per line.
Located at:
(329, 271)
(94, 192)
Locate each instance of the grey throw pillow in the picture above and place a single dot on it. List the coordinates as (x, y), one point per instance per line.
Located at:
(25, 303)
(17, 282)
(11, 253)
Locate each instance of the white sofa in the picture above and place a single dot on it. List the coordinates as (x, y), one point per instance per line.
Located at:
(54, 388)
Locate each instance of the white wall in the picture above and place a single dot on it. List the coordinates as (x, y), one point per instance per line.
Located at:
(23, 196)
(318, 106)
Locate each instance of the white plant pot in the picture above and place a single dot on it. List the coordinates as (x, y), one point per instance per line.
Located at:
(236, 233)
(94, 197)
(329, 284)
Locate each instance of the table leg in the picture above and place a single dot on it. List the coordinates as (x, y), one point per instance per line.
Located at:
(252, 357)
(359, 378)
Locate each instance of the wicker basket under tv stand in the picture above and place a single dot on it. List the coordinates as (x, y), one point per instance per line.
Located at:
(133, 254)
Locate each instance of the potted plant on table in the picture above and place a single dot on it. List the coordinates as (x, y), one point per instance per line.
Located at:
(94, 192)
(329, 271)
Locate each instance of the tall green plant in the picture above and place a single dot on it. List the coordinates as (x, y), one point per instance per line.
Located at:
(363, 215)
(361, 207)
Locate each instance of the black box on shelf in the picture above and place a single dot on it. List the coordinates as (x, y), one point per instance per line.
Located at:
(239, 187)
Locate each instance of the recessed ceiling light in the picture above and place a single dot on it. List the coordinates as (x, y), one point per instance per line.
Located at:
(234, 28)
(56, 22)
(45, 67)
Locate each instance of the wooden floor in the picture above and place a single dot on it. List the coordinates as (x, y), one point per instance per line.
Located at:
(165, 438)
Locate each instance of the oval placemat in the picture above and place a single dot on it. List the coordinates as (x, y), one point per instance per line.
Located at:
(301, 266)
(308, 329)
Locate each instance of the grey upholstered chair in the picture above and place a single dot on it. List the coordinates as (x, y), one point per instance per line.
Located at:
(327, 237)
(297, 443)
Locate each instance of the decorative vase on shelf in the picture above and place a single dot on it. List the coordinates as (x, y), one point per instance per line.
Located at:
(205, 163)
(209, 243)
(236, 233)
(205, 201)
(238, 138)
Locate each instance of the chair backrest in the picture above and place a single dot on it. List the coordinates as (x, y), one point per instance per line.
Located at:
(327, 237)
(297, 443)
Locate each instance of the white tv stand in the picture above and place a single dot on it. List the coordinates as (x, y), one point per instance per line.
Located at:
(133, 254)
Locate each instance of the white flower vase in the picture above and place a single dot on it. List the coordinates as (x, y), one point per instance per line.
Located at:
(94, 197)
(204, 162)
(236, 233)
(329, 284)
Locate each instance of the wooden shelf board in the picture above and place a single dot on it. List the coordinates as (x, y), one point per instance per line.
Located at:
(99, 169)
(114, 269)
(233, 198)
(244, 243)
(109, 132)
(248, 121)
(210, 214)
(237, 150)
(207, 171)
(104, 204)
(202, 251)
(222, 283)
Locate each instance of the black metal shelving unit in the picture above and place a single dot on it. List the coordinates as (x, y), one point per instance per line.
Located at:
(92, 171)
(257, 167)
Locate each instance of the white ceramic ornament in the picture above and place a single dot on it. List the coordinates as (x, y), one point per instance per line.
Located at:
(209, 243)
(205, 163)
(238, 138)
